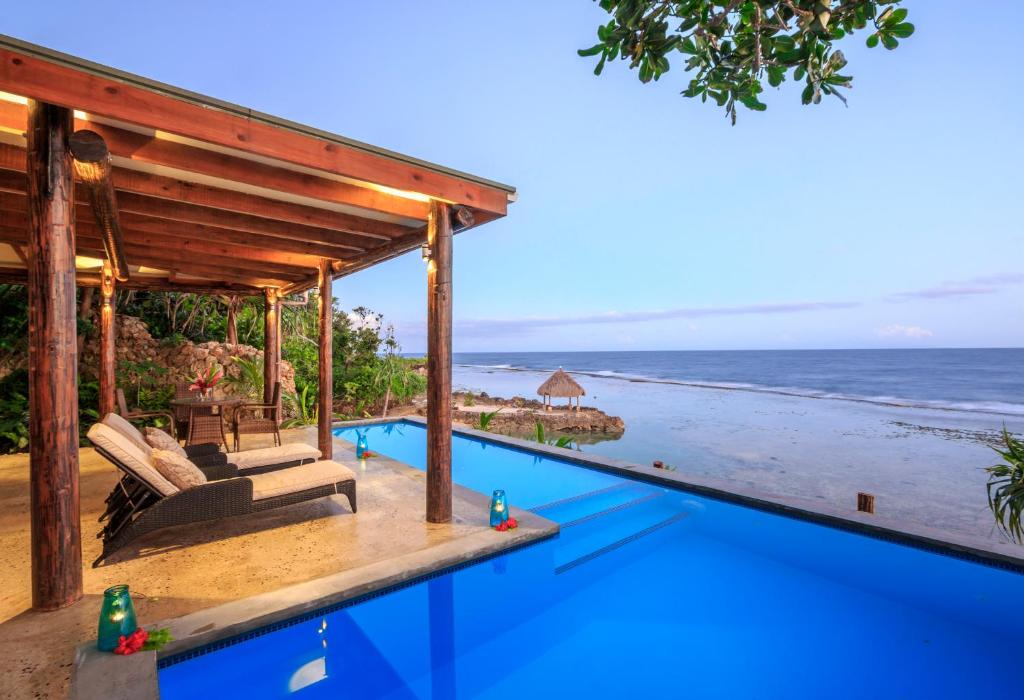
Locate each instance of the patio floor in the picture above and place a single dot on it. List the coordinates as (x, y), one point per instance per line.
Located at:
(196, 567)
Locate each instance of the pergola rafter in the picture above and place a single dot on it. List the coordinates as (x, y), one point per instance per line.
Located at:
(201, 196)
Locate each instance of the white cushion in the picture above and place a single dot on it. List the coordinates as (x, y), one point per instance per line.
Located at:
(295, 479)
(159, 440)
(177, 469)
(131, 455)
(122, 426)
(273, 455)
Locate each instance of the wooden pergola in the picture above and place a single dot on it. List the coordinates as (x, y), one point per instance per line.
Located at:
(115, 181)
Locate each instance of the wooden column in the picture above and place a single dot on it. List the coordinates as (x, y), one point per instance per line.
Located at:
(325, 400)
(439, 365)
(53, 361)
(107, 325)
(271, 343)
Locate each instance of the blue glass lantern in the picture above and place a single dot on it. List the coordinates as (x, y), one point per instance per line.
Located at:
(361, 445)
(499, 508)
(117, 617)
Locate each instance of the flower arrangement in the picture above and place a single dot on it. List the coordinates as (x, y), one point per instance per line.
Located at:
(142, 640)
(506, 525)
(367, 454)
(206, 381)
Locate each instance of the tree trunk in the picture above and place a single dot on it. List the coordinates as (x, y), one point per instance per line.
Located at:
(232, 334)
(387, 400)
(53, 361)
(439, 365)
(325, 401)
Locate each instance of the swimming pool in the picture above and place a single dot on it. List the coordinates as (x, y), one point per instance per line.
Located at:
(646, 592)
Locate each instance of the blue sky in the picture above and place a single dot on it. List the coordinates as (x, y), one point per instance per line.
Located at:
(644, 220)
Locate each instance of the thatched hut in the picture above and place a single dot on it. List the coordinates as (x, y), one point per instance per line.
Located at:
(560, 384)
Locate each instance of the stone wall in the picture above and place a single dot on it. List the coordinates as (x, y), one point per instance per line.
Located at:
(133, 343)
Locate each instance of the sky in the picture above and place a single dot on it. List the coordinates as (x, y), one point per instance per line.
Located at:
(644, 221)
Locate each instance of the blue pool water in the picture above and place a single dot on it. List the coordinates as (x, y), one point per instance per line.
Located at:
(647, 592)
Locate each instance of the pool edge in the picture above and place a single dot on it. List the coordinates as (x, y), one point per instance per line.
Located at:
(874, 526)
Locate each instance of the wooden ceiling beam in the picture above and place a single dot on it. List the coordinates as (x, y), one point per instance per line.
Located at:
(102, 92)
(12, 169)
(15, 202)
(89, 242)
(154, 150)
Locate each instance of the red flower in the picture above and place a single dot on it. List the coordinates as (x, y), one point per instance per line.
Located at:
(132, 643)
(502, 526)
(512, 523)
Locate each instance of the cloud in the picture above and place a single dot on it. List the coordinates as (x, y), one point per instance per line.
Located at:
(897, 330)
(986, 284)
(528, 323)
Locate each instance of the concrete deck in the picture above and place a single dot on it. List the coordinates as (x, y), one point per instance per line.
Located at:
(207, 574)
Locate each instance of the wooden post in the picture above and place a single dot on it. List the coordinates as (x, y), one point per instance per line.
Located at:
(325, 402)
(107, 325)
(53, 361)
(439, 365)
(271, 343)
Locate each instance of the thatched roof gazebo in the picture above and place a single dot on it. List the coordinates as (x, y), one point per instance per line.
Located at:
(562, 385)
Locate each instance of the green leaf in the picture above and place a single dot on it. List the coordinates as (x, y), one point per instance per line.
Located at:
(902, 30)
(889, 41)
(872, 41)
(592, 51)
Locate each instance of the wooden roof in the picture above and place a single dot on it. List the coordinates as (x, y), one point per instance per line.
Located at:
(216, 197)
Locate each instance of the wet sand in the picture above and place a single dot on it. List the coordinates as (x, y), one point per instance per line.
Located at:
(923, 465)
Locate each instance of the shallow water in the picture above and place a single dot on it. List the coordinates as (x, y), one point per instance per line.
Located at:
(924, 465)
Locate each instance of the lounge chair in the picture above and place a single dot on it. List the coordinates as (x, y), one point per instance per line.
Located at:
(144, 501)
(208, 455)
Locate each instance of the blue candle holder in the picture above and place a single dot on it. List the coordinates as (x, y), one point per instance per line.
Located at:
(499, 507)
(117, 617)
(361, 445)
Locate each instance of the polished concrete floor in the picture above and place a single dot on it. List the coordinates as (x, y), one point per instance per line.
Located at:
(192, 568)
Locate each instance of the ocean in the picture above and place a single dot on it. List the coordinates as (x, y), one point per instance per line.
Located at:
(914, 427)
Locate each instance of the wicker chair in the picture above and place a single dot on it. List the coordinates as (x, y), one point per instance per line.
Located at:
(181, 391)
(143, 501)
(122, 408)
(259, 418)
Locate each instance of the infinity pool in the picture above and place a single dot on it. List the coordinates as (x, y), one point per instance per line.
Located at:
(647, 592)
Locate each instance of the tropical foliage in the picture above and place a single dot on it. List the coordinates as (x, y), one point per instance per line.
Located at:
(733, 47)
(484, 418)
(1006, 488)
(369, 371)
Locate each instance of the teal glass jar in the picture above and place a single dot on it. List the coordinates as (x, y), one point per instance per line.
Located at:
(117, 617)
(499, 508)
(361, 445)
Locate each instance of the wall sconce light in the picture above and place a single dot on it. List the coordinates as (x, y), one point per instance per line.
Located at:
(425, 252)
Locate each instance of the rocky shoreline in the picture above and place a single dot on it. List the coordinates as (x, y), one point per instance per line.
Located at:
(521, 415)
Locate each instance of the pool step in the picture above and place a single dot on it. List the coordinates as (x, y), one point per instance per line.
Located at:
(608, 511)
(593, 534)
(590, 556)
(578, 507)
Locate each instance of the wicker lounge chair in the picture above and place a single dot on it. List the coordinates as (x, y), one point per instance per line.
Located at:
(144, 501)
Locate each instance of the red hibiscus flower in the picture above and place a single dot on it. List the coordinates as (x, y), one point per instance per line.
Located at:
(132, 643)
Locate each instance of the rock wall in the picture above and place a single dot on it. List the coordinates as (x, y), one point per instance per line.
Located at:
(133, 343)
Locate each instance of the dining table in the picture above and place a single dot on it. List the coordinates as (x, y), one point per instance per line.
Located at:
(206, 417)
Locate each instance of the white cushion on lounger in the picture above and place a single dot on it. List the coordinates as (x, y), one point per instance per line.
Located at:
(131, 455)
(128, 430)
(291, 452)
(295, 479)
